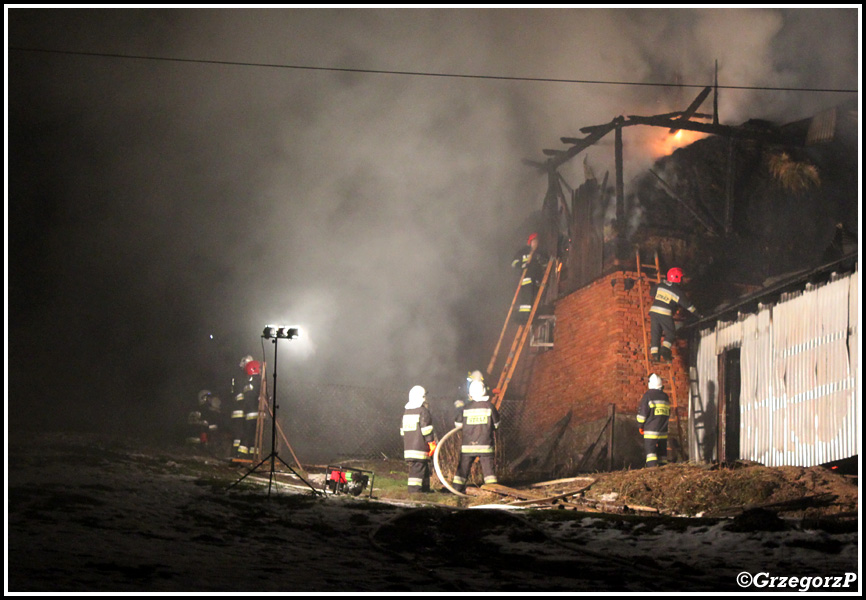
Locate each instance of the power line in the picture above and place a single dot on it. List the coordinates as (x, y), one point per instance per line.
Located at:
(425, 73)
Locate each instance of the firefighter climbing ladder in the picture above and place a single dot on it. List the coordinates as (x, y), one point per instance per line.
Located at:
(647, 270)
(520, 338)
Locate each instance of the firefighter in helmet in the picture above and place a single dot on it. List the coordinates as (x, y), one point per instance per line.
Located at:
(531, 262)
(667, 296)
(653, 415)
(203, 421)
(196, 422)
(463, 392)
(245, 412)
(419, 440)
(479, 420)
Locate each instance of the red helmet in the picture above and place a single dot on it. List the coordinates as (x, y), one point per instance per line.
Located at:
(532, 236)
(253, 367)
(675, 275)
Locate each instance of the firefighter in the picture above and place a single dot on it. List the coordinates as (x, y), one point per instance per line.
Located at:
(530, 259)
(245, 412)
(196, 423)
(479, 420)
(653, 415)
(419, 441)
(667, 295)
(463, 392)
(236, 418)
(206, 416)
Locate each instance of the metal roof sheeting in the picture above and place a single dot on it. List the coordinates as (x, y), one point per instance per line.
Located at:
(822, 127)
(799, 394)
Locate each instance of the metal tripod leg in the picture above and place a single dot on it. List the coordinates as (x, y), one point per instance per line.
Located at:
(271, 457)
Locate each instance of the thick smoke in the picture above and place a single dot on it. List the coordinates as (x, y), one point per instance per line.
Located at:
(155, 204)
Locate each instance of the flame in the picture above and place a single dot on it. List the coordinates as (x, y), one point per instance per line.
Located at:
(664, 143)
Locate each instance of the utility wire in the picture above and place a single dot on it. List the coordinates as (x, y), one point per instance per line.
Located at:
(425, 73)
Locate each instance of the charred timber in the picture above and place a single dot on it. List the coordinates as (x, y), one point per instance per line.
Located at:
(720, 130)
(671, 115)
(579, 145)
(707, 224)
(693, 107)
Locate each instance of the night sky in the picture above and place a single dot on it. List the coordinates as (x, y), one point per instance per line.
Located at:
(175, 181)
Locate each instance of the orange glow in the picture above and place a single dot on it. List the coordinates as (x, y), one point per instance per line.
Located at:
(664, 143)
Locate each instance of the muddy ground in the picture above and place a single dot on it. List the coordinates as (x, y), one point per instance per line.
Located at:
(92, 514)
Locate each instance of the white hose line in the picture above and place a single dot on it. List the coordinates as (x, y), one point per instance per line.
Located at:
(439, 470)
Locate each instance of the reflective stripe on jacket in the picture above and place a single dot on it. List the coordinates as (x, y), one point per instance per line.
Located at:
(653, 414)
(667, 296)
(479, 420)
(417, 432)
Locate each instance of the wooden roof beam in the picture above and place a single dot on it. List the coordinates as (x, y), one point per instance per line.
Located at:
(722, 130)
(670, 115)
(694, 106)
(579, 145)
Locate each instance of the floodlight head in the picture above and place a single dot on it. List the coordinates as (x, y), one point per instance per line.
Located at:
(288, 332)
(281, 331)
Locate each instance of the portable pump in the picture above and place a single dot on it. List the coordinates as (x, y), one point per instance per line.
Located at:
(343, 480)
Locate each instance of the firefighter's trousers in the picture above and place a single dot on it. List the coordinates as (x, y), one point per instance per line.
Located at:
(656, 451)
(419, 476)
(525, 300)
(488, 468)
(661, 326)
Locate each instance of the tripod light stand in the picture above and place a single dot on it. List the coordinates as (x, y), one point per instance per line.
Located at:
(274, 333)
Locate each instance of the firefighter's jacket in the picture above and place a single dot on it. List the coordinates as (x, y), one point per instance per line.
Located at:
(653, 414)
(250, 392)
(417, 432)
(238, 411)
(666, 297)
(478, 420)
(534, 264)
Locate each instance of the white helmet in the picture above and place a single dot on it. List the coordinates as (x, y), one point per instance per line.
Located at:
(477, 391)
(417, 396)
(246, 359)
(655, 382)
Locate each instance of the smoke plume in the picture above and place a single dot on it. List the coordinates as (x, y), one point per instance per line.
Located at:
(163, 211)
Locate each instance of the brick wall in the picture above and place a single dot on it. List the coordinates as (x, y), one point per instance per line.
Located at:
(597, 358)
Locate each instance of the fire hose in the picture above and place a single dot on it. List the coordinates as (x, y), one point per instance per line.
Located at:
(442, 478)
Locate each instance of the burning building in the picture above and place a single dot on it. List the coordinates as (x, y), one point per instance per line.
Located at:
(736, 210)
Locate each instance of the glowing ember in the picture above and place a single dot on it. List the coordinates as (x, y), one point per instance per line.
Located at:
(664, 143)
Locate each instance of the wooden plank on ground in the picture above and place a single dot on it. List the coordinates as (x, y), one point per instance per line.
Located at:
(579, 507)
(555, 497)
(507, 491)
(558, 481)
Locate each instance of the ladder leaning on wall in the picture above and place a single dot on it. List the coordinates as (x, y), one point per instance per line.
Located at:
(653, 274)
(520, 337)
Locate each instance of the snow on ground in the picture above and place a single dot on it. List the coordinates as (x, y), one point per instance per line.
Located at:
(87, 514)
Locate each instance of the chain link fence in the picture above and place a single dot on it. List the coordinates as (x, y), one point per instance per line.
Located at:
(327, 423)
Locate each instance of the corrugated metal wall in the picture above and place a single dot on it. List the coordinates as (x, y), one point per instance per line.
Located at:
(799, 395)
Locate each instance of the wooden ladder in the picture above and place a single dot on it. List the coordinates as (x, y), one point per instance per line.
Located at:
(653, 268)
(520, 338)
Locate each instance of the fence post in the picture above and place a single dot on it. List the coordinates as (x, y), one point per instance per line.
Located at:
(611, 415)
